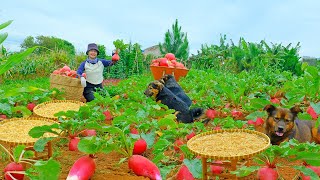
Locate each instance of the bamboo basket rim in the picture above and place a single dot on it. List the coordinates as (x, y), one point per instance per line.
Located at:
(24, 119)
(37, 107)
(229, 157)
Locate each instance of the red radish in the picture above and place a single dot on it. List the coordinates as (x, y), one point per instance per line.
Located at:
(316, 169)
(304, 177)
(89, 132)
(82, 169)
(211, 113)
(2, 116)
(108, 115)
(236, 114)
(65, 69)
(115, 57)
(267, 173)
(177, 144)
(142, 166)
(140, 146)
(184, 174)
(180, 65)
(163, 62)
(312, 113)
(216, 169)
(217, 128)
(84, 75)
(56, 72)
(170, 56)
(73, 144)
(259, 121)
(134, 131)
(191, 135)
(251, 122)
(13, 166)
(275, 100)
(30, 106)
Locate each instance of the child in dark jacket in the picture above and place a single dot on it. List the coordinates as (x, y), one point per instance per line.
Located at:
(93, 67)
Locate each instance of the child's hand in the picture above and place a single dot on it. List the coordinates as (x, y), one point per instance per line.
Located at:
(83, 82)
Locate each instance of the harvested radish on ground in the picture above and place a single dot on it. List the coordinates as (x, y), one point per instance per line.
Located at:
(184, 174)
(30, 106)
(73, 144)
(216, 169)
(115, 57)
(170, 56)
(89, 132)
(211, 113)
(312, 113)
(2, 116)
(259, 121)
(82, 169)
(177, 144)
(142, 166)
(267, 173)
(275, 100)
(134, 131)
(251, 122)
(13, 166)
(236, 114)
(108, 115)
(191, 135)
(140, 146)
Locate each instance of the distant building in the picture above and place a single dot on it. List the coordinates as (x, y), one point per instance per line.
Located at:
(153, 50)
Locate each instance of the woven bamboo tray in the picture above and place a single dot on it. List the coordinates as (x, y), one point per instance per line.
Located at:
(159, 71)
(56, 106)
(15, 131)
(198, 144)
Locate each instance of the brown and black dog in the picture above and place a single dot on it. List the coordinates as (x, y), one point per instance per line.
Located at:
(282, 124)
(159, 92)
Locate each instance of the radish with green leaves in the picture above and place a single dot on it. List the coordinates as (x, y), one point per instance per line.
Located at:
(73, 144)
(142, 166)
(82, 169)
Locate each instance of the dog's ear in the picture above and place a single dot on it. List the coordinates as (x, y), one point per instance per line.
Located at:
(158, 85)
(269, 108)
(295, 110)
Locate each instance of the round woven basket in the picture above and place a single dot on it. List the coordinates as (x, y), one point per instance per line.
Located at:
(38, 110)
(198, 139)
(15, 131)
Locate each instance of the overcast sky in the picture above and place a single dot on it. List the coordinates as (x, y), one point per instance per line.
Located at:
(146, 21)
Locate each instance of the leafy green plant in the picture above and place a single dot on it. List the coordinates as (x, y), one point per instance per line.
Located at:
(175, 42)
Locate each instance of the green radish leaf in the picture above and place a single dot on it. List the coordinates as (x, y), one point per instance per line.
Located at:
(24, 110)
(44, 170)
(38, 131)
(194, 166)
(41, 143)
(17, 152)
(90, 145)
(259, 103)
(245, 171)
(149, 138)
(255, 115)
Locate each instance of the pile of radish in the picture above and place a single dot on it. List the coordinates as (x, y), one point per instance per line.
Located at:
(168, 61)
(66, 71)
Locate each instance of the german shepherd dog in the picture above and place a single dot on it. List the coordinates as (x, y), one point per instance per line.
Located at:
(282, 124)
(169, 82)
(159, 92)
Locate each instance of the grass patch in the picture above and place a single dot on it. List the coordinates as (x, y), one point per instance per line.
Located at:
(42, 82)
